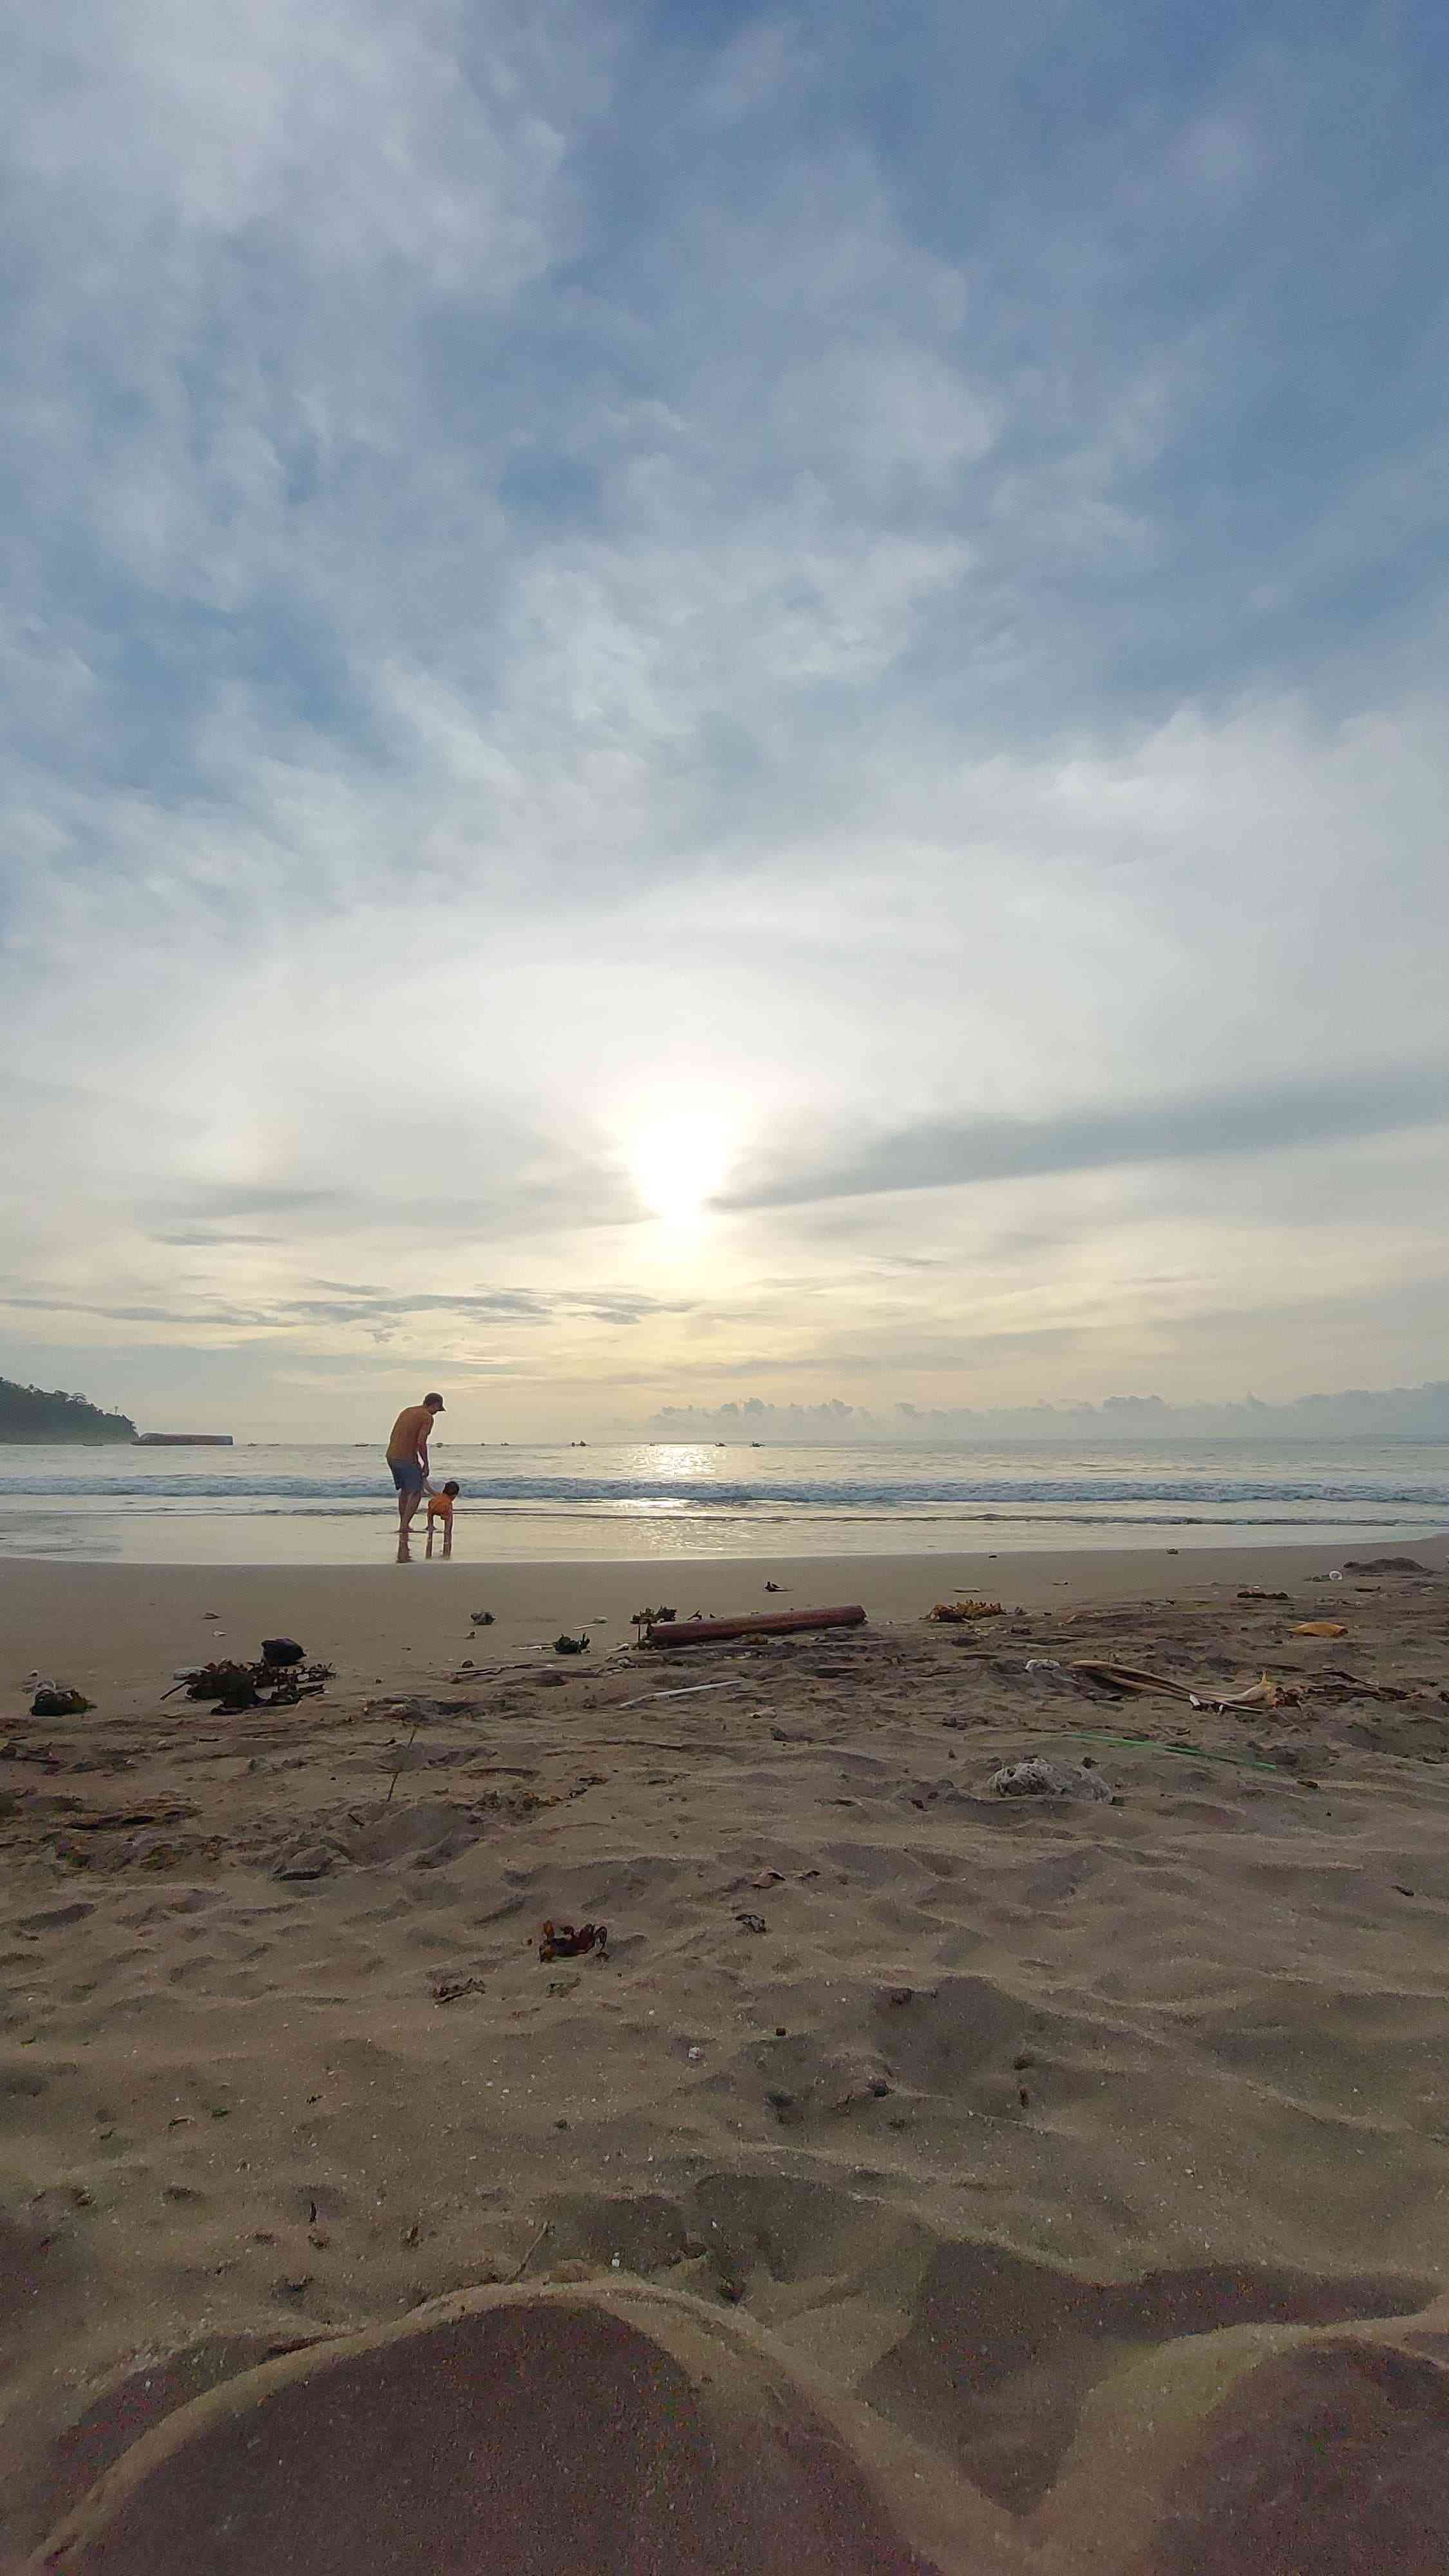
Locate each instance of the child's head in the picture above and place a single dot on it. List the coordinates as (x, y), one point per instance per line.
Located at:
(452, 1489)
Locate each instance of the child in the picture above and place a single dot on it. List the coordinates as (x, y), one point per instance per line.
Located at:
(440, 1511)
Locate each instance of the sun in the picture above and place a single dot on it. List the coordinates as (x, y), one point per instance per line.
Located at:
(678, 1158)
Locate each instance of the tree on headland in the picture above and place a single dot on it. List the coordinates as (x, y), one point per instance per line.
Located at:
(40, 1413)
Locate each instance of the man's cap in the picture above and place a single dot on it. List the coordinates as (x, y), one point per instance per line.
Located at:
(436, 1402)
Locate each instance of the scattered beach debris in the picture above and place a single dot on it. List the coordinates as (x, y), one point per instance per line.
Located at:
(572, 1941)
(233, 1686)
(1383, 1565)
(688, 1690)
(1122, 1680)
(1321, 1628)
(773, 1587)
(57, 1699)
(951, 1613)
(567, 1645)
(642, 1619)
(752, 1922)
(229, 1684)
(282, 1651)
(1040, 1779)
(482, 1618)
(1331, 1683)
(1262, 1596)
(1263, 1693)
(767, 1623)
(451, 1990)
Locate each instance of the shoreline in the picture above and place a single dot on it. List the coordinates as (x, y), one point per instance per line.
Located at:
(205, 1542)
(125, 1629)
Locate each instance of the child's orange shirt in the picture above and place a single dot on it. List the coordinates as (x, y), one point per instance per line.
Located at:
(440, 1507)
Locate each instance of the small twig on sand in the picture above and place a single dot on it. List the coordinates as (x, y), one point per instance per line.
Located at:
(690, 1690)
(533, 2249)
(392, 1784)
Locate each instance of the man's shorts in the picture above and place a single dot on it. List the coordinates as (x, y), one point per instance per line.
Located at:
(407, 1475)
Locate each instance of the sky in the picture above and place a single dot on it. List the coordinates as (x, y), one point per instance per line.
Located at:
(707, 703)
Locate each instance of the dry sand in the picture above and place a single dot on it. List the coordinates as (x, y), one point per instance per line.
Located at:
(1014, 2185)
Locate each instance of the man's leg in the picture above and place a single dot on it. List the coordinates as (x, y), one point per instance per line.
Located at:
(409, 1495)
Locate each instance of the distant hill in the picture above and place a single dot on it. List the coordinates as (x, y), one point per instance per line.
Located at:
(38, 1413)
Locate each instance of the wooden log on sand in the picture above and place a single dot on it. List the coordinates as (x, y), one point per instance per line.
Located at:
(770, 1623)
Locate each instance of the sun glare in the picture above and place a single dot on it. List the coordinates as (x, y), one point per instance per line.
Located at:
(678, 1160)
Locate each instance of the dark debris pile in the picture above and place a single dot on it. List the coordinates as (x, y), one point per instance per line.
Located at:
(260, 1685)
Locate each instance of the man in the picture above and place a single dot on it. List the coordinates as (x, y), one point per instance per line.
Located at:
(407, 1455)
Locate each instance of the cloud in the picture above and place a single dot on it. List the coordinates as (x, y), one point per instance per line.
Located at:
(371, 1307)
(1269, 1119)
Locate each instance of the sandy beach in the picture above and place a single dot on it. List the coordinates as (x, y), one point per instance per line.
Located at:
(1079, 2167)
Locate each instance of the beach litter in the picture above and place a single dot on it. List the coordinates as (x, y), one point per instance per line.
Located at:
(1332, 1683)
(1321, 1628)
(571, 1941)
(1262, 1596)
(234, 1686)
(1122, 1680)
(482, 1618)
(689, 1690)
(57, 1699)
(642, 1619)
(952, 1612)
(451, 1990)
(1039, 1779)
(567, 1645)
(282, 1651)
(752, 1922)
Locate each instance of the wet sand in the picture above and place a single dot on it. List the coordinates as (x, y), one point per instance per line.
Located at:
(1018, 2142)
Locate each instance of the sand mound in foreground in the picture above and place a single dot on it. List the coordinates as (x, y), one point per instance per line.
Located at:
(1264, 2451)
(531, 2431)
(634, 2432)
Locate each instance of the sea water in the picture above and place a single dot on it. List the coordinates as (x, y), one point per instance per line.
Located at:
(271, 1505)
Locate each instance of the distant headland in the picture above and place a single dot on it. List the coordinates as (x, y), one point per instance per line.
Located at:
(41, 1413)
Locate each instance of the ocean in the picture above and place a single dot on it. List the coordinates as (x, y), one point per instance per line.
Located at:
(269, 1505)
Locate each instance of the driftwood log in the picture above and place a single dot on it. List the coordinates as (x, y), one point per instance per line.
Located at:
(769, 1623)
